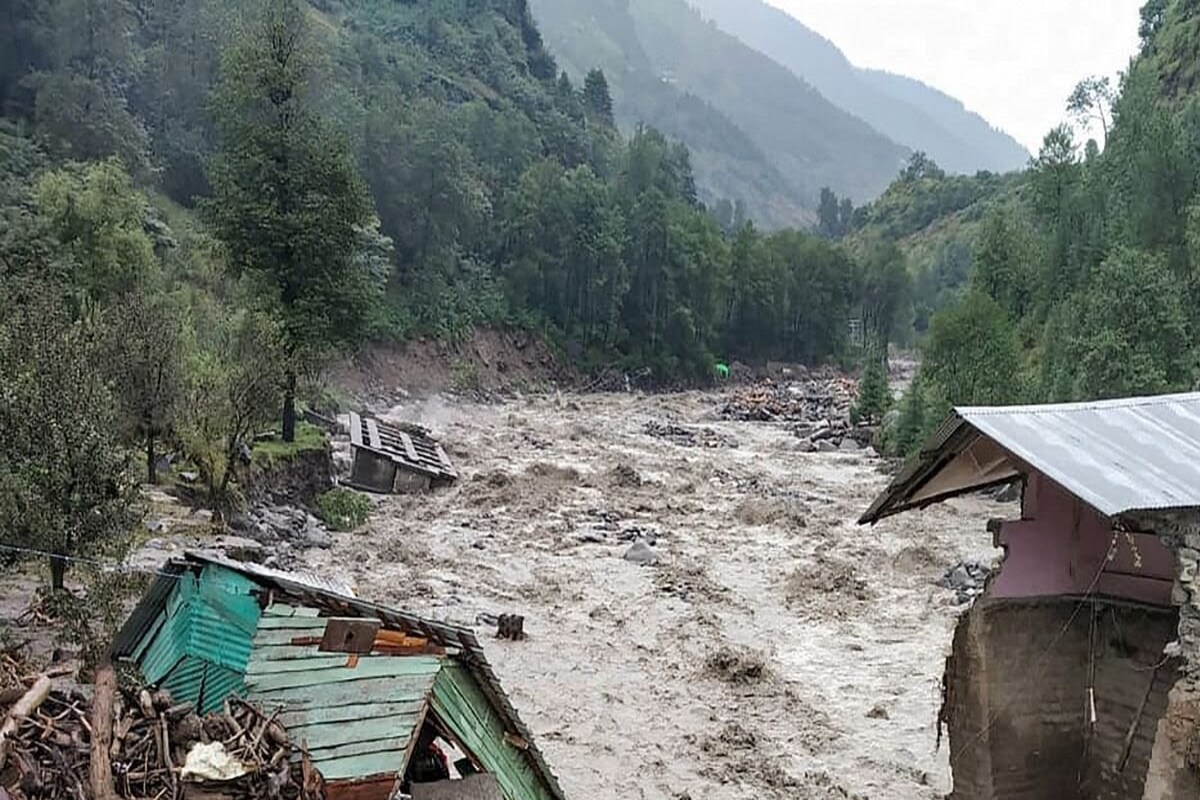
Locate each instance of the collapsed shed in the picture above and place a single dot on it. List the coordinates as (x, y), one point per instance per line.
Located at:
(364, 689)
(389, 458)
(1075, 674)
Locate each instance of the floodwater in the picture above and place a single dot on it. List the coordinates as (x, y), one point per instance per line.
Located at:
(776, 650)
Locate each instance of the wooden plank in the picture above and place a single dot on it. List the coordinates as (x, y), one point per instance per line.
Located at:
(409, 450)
(392, 733)
(356, 438)
(394, 745)
(368, 667)
(341, 769)
(370, 690)
(350, 635)
(376, 788)
(349, 713)
(306, 664)
(291, 623)
(373, 434)
(284, 610)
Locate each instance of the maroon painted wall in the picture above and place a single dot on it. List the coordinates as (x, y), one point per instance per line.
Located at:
(1062, 546)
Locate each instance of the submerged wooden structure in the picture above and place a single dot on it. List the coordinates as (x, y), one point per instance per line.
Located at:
(390, 459)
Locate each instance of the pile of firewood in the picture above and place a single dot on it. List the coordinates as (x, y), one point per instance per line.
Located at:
(47, 749)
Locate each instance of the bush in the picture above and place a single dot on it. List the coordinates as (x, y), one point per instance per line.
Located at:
(343, 509)
(874, 394)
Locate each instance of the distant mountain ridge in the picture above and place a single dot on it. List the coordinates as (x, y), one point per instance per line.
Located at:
(758, 133)
(904, 109)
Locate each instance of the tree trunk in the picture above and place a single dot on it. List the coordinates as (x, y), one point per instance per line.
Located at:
(151, 472)
(58, 572)
(289, 408)
(25, 707)
(102, 731)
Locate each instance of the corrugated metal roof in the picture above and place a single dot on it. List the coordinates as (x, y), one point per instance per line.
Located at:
(1118, 456)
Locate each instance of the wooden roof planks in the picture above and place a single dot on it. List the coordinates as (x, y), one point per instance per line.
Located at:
(387, 458)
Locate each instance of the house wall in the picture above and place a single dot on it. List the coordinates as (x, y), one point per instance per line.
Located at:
(1017, 699)
(1062, 547)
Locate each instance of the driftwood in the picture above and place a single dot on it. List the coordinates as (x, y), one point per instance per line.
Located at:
(102, 732)
(29, 702)
(139, 741)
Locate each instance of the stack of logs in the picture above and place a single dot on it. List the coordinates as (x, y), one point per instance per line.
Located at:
(47, 750)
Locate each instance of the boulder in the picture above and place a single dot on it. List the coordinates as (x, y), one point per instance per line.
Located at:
(849, 445)
(641, 553)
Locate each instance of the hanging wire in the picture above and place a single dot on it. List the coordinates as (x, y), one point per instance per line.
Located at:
(107, 566)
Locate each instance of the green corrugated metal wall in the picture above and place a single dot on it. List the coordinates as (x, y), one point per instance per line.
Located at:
(461, 705)
(356, 722)
(198, 647)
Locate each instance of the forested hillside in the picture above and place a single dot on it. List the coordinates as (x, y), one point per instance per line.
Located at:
(905, 110)
(1085, 274)
(808, 140)
(499, 191)
(728, 164)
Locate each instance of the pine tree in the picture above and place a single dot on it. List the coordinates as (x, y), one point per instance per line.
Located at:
(597, 99)
(287, 201)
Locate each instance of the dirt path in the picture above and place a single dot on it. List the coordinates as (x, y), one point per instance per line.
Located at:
(776, 651)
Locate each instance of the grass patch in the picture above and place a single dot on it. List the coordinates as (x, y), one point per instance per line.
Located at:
(309, 438)
(343, 509)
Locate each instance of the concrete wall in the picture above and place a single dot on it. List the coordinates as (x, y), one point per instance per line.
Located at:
(1017, 701)
(1062, 547)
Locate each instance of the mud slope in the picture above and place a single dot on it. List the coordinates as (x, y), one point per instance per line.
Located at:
(776, 651)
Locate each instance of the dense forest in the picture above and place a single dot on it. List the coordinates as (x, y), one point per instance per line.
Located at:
(203, 204)
(1077, 279)
(757, 131)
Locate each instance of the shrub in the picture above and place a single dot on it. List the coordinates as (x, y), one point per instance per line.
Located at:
(344, 509)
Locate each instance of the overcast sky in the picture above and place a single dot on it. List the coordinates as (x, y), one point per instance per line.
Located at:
(1013, 61)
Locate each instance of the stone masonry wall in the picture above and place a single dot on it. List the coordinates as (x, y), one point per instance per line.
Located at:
(1174, 771)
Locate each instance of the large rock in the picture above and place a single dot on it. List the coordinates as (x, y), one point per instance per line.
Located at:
(849, 445)
(641, 553)
(826, 446)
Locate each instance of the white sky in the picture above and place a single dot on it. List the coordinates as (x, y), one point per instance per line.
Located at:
(1013, 61)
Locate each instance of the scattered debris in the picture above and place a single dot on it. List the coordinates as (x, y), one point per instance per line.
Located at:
(967, 579)
(624, 476)
(828, 587)
(737, 665)
(822, 394)
(156, 747)
(877, 712)
(686, 436)
(508, 626)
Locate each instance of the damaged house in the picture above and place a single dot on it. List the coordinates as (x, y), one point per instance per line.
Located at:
(378, 699)
(1075, 674)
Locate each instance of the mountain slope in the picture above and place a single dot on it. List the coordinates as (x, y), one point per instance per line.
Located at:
(728, 164)
(903, 109)
(646, 44)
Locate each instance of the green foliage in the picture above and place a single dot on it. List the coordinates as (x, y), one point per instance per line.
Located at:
(233, 375)
(99, 220)
(913, 422)
(287, 200)
(972, 354)
(874, 395)
(344, 509)
(1133, 334)
(66, 484)
(144, 358)
(309, 439)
